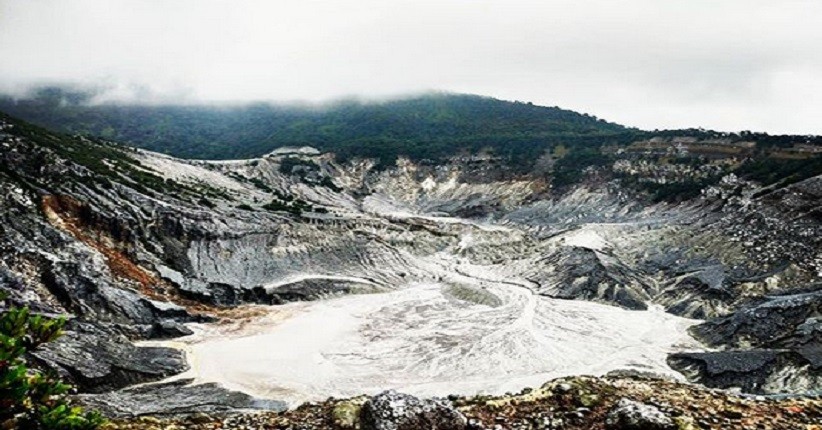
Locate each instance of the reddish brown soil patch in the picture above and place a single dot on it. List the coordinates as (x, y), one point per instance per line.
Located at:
(67, 214)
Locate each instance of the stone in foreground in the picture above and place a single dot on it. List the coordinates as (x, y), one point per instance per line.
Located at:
(391, 410)
(631, 415)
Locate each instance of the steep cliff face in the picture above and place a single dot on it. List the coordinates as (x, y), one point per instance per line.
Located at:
(134, 244)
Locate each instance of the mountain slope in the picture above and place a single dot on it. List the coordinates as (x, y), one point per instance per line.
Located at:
(425, 126)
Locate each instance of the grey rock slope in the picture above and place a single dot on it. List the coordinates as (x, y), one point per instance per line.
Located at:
(132, 245)
(174, 398)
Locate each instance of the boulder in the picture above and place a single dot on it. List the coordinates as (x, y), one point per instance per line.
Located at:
(630, 415)
(391, 410)
(169, 329)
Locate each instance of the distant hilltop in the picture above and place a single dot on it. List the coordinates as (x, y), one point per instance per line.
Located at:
(431, 126)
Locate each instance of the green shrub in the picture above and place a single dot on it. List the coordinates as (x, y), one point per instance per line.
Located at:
(328, 183)
(30, 399)
(289, 206)
(206, 202)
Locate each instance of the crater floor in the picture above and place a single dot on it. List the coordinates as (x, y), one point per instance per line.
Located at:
(428, 339)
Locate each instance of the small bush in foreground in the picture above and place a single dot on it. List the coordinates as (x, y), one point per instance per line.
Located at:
(30, 399)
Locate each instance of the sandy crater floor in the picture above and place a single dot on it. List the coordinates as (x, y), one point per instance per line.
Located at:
(425, 340)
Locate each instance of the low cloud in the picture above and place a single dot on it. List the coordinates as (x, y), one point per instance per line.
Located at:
(729, 65)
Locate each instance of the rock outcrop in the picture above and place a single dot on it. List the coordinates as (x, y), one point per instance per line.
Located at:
(785, 333)
(176, 398)
(98, 366)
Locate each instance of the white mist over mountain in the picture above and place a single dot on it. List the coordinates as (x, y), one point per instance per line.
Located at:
(730, 65)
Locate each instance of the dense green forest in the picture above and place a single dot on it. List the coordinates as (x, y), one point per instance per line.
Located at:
(428, 126)
(423, 127)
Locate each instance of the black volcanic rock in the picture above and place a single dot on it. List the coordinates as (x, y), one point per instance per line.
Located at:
(787, 336)
(789, 322)
(741, 362)
(96, 359)
(587, 274)
(175, 398)
(752, 371)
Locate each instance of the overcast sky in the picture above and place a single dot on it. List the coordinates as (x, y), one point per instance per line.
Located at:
(722, 64)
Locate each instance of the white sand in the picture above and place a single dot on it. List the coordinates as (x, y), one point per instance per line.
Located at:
(419, 341)
(586, 238)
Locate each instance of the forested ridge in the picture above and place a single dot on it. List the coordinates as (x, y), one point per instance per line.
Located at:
(424, 126)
